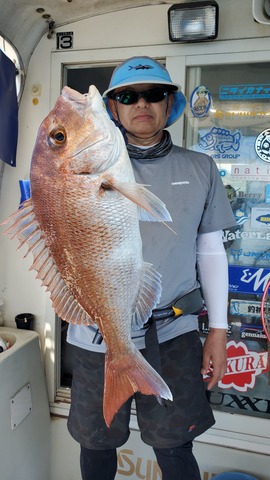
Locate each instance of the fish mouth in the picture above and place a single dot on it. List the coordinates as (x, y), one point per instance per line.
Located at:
(71, 94)
(82, 101)
(102, 147)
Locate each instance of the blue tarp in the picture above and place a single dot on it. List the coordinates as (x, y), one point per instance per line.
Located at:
(8, 111)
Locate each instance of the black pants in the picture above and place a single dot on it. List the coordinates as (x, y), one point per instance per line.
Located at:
(175, 463)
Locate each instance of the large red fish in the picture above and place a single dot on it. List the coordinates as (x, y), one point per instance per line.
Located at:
(82, 227)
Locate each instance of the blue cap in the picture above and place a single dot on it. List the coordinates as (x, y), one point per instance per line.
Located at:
(138, 70)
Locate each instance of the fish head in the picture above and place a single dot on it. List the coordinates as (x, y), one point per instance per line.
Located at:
(207, 141)
(77, 137)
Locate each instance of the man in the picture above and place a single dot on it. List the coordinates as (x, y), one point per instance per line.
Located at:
(143, 100)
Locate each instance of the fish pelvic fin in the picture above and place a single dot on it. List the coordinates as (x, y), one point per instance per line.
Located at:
(24, 226)
(126, 375)
(149, 296)
(150, 207)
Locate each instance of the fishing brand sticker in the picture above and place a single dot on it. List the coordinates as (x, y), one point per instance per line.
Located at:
(243, 366)
(248, 279)
(260, 255)
(260, 217)
(200, 101)
(220, 140)
(230, 236)
(251, 172)
(245, 308)
(244, 92)
(252, 332)
(262, 145)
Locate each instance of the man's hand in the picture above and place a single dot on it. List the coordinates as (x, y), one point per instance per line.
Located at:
(214, 362)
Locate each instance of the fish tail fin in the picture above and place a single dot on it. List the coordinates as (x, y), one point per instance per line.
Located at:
(126, 375)
(148, 298)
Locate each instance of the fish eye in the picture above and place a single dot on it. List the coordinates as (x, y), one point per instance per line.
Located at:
(57, 136)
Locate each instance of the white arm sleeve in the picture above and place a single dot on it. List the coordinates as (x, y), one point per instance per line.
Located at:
(213, 274)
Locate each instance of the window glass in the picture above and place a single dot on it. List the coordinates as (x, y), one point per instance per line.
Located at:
(228, 119)
(81, 77)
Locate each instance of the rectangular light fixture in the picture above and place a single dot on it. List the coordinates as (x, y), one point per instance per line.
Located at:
(193, 21)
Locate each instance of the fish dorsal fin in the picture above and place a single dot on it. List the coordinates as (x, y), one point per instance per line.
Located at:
(149, 296)
(24, 225)
(150, 207)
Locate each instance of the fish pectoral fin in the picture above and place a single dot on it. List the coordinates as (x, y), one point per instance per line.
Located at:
(150, 207)
(126, 375)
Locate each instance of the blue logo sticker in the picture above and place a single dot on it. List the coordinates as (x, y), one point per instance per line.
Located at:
(200, 101)
(244, 92)
(240, 216)
(220, 140)
(248, 279)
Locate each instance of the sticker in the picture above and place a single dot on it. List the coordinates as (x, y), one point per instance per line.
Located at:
(249, 195)
(244, 92)
(251, 172)
(252, 332)
(244, 115)
(245, 308)
(230, 236)
(243, 366)
(260, 217)
(220, 140)
(231, 193)
(262, 145)
(204, 323)
(267, 194)
(240, 216)
(259, 256)
(200, 101)
(248, 279)
(223, 172)
(64, 40)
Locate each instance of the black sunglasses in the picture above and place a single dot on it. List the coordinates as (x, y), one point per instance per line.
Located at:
(129, 97)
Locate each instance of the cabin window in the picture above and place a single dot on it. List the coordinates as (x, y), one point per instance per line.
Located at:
(12, 53)
(80, 78)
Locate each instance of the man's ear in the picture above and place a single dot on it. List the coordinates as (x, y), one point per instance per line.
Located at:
(170, 104)
(112, 107)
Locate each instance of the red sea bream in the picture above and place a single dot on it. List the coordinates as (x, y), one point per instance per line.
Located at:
(82, 226)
